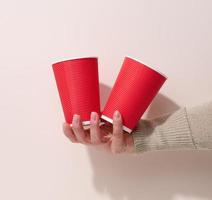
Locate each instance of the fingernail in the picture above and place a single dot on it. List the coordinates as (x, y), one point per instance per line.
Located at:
(76, 119)
(117, 114)
(93, 116)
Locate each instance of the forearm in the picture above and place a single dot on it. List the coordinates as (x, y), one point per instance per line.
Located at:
(186, 128)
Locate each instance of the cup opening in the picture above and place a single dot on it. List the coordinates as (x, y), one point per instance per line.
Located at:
(75, 58)
(162, 74)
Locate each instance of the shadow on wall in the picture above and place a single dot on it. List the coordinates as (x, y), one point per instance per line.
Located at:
(152, 175)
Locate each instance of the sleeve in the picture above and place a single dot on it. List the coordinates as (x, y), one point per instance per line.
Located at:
(186, 128)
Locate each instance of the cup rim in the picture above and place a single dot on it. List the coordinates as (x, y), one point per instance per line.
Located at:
(75, 58)
(135, 59)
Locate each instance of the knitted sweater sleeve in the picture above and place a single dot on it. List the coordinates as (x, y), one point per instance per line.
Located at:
(186, 128)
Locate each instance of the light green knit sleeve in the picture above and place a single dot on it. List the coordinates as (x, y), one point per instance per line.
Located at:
(186, 128)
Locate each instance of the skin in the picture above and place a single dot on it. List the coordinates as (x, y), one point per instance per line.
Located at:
(107, 137)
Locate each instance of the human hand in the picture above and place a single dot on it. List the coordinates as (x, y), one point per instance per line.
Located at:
(108, 137)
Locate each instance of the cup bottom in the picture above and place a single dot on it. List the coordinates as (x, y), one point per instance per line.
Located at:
(86, 124)
(111, 121)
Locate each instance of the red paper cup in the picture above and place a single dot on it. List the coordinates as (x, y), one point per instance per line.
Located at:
(132, 93)
(78, 86)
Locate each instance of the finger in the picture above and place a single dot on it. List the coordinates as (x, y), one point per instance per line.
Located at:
(106, 132)
(78, 128)
(94, 128)
(118, 138)
(69, 133)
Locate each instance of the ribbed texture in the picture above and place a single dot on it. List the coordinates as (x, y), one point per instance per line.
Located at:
(168, 132)
(200, 121)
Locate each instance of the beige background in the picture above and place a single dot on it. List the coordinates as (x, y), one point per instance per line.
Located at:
(36, 160)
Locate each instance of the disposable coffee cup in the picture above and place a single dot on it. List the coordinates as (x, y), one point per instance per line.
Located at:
(77, 82)
(133, 91)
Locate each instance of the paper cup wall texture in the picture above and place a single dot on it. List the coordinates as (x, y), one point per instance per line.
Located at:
(132, 93)
(77, 82)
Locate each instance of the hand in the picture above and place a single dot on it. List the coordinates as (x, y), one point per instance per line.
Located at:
(107, 137)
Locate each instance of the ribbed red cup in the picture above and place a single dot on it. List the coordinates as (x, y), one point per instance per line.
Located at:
(78, 86)
(132, 93)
